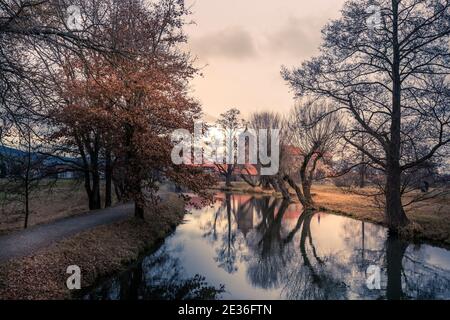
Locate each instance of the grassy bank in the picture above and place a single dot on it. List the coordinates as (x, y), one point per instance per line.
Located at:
(64, 199)
(243, 187)
(98, 252)
(430, 219)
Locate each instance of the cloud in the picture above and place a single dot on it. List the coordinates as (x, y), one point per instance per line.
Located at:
(297, 37)
(232, 43)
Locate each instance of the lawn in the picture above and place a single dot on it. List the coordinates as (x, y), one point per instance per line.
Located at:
(64, 199)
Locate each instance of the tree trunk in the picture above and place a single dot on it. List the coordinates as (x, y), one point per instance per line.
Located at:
(362, 167)
(118, 189)
(96, 198)
(138, 210)
(274, 184)
(298, 191)
(228, 176)
(108, 180)
(395, 215)
(94, 152)
(228, 181)
(362, 176)
(265, 183)
(93, 192)
(86, 172)
(27, 203)
(27, 182)
(139, 199)
(306, 179)
(91, 173)
(87, 187)
(264, 180)
(284, 191)
(306, 186)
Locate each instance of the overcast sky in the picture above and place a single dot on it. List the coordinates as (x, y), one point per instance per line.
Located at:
(242, 45)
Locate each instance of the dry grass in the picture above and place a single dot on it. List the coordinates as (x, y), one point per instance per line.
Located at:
(336, 199)
(98, 252)
(430, 218)
(65, 199)
(243, 187)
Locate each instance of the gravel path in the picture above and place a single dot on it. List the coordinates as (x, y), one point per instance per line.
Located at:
(26, 242)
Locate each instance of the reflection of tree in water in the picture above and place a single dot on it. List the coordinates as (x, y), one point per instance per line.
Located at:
(405, 271)
(210, 228)
(310, 277)
(293, 264)
(364, 244)
(409, 277)
(292, 258)
(279, 263)
(226, 253)
(157, 277)
(231, 246)
(264, 269)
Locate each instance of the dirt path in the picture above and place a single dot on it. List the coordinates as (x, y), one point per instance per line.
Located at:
(26, 242)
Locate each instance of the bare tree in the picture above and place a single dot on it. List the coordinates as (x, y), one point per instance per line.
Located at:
(268, 121)
(33, 33)
(36, 38)
(390, 77)
(27, 170)
(314, 132)
(231, 126)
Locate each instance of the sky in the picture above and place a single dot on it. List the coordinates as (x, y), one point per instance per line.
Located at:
(241, 45)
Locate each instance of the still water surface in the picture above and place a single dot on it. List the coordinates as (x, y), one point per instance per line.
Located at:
(247, 247)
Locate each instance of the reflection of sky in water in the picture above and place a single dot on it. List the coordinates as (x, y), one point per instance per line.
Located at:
(260, 248)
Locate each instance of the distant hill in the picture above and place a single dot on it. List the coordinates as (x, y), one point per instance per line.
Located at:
(8, 152)
(11, 152)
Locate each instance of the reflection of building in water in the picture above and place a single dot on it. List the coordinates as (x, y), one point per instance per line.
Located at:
(243, 210)
(292, 212)
(245, 220)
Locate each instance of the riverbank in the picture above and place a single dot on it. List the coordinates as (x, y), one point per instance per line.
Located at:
(244, 188)
(430, 219)
(99, 252)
